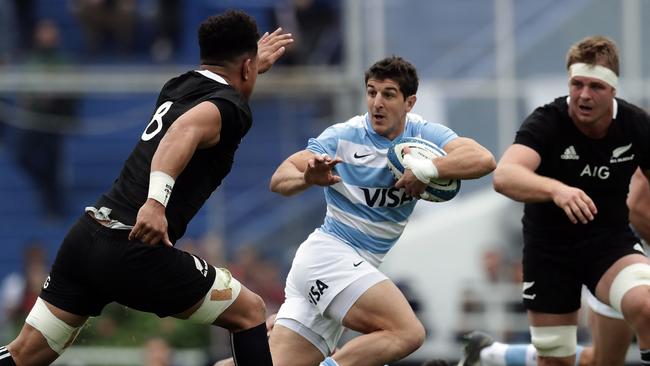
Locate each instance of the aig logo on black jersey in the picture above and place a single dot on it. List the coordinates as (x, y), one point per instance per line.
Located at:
(595, 171)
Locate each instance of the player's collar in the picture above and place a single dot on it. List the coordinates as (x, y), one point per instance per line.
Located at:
(210, 75)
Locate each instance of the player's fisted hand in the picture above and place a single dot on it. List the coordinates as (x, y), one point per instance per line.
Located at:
(577, 205)
(411, 184)
(319, 170)
(151, 224)
(270, 47)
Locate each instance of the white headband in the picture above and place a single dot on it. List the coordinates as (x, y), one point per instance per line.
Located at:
(594, 71)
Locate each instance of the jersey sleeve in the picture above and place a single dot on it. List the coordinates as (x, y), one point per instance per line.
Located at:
(438, 134)
(236, 117)
(226, 109)
(535, 130)
(325, 143)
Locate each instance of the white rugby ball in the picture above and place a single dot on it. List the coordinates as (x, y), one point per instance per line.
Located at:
(438, 190)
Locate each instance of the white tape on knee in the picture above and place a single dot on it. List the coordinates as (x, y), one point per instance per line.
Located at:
(220, 296)
(634, 275)
(555, 341)
(58, 334)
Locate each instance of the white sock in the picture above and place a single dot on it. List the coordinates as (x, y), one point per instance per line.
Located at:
(329, 362)
(501, 354)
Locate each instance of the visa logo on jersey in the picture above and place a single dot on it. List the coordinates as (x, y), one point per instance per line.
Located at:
(385, 197)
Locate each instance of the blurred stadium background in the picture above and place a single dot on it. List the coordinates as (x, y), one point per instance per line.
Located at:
(72, 107)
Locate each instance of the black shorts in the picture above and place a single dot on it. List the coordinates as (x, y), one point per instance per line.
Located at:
(555, 270)
(96, 265)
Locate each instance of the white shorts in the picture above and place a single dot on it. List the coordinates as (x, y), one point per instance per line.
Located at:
(323, 268)
(599, 307)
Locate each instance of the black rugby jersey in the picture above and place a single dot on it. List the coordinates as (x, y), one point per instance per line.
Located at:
(207, 167)
(602, 168)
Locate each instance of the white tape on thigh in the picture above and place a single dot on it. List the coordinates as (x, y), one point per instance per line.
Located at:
(57, 333)
(222, 294)
(555, 341)
(634, 275)
(600, 308)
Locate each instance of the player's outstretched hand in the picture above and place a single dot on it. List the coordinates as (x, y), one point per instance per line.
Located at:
(151, 224)
(319, 171)
(270, 47)
(575, 203)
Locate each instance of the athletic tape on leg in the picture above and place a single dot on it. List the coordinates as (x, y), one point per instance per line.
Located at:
(555, 341)
(220, 296)
(58, 334)
(634, 275)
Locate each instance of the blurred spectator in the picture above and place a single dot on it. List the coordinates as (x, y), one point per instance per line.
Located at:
(494, 303)
(45, 117)
(157, 352)
(19, 290)
(493, 265)
(7, 30)
(7, 48)
(168, 18)
(25, 13)
(108, 25)
(316, 29)
(260, 276)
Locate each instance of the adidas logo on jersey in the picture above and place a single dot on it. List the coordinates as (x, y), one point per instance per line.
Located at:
(570, 154)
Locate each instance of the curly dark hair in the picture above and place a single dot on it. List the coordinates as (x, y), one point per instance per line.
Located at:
(397, 69)
(225, 37)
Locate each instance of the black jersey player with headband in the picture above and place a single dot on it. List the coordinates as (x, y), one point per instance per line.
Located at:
(121, 249)
(571, 164)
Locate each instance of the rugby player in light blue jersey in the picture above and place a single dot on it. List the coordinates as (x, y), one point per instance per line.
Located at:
(334, 281)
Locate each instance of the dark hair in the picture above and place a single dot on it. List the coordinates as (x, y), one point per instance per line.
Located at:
(397, 69)
(225, 37)
(594, 50)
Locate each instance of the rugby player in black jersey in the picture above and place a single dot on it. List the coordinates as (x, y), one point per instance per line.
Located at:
(121, 249)
(571, 164)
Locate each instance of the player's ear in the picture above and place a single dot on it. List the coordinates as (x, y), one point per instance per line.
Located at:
(410, 102)
(247, 69)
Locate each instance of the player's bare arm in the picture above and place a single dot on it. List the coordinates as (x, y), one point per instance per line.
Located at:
(515, 177)
(270, 48)
(465, 159)
(302, 170)
(200, 127)
(638, 201)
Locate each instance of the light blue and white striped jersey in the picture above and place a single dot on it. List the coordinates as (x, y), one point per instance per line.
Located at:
(365, 210)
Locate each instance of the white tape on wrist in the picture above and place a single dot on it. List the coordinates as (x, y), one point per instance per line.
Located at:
(423, 169)
(160, 186)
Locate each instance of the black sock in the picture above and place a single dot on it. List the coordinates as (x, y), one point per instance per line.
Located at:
(250, 347)
(645, 357)
(5, 357)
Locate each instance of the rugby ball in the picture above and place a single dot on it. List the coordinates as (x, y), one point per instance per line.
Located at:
(438, 190)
